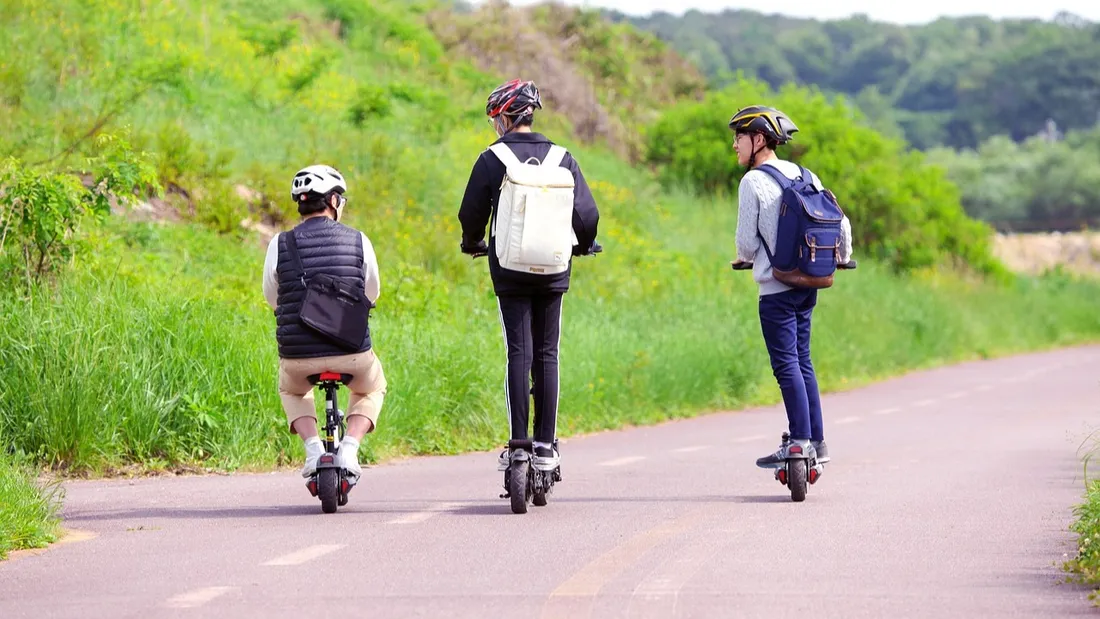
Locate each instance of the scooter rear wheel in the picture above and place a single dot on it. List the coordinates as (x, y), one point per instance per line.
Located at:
(796, 479)
(328, 489)
(518, 489)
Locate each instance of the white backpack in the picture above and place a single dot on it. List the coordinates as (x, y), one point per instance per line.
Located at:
(534, 219)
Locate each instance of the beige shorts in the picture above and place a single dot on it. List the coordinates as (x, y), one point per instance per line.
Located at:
(367, 386)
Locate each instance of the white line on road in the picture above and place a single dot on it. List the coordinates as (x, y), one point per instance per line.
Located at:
(417, 517)
(887, 411)
(750, 439)
(198, 597)
(983, 388)
(957, 395)
(306, 554)
(622, 461)
(846, 420)
(923, 403)
(687, 450)
(1036, 373)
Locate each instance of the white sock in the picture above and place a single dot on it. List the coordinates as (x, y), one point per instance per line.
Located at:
(314, 447)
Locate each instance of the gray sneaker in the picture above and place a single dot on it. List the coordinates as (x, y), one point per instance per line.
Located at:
(822, 451)
(504, 460)
(776, 460)
(547, 459)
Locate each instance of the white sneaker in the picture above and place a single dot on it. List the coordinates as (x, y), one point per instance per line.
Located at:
(348, 457)
(314, 449)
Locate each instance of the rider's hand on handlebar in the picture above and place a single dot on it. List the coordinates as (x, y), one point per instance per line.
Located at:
(475, 250)
(591, 251)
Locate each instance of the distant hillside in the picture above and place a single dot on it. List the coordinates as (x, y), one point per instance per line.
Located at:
(609, 80)
(953, 82)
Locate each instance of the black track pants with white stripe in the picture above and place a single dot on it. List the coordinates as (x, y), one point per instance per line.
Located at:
(532, 330)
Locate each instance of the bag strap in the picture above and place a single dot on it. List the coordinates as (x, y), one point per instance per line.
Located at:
(505, 154)
(807, 177)
(774, 172)
(767, 252)
(292, 246)
(784, 183)
(554, 157)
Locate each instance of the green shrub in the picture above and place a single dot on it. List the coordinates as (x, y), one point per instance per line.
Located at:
(41, 212)
(902, 210)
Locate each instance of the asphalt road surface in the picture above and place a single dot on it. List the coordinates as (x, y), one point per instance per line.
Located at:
(949, 495)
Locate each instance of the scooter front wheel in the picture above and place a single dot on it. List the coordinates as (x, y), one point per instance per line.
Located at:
(518, 488)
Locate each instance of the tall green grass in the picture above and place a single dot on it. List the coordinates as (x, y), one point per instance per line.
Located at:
(158, 349)
(28, 512)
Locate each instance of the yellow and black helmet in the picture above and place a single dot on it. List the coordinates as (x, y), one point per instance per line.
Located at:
(768, 121)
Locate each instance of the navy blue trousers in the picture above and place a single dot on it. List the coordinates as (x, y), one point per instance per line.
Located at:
(785, 321)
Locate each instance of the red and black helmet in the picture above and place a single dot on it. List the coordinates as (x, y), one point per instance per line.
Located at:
(516, 98)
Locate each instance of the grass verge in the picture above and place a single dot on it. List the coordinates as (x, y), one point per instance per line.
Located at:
(1085, 565)
(28, 511)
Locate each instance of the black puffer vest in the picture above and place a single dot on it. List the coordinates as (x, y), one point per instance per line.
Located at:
(325, 246)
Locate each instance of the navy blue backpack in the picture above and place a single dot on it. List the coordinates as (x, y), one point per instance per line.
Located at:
(807, 247)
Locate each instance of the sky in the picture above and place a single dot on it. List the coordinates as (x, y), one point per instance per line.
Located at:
(904, 12)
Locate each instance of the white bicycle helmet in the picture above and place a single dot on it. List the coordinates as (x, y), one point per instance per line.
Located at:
(317, 180)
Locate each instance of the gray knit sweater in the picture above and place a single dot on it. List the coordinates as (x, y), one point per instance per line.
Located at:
(758, 198)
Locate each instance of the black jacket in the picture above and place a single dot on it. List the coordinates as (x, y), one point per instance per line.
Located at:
(479, 205)
(324, 247)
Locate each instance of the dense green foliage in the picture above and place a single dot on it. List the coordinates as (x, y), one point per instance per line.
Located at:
(336, 80)
(902, 210)
(1037, 184)
(954, 81)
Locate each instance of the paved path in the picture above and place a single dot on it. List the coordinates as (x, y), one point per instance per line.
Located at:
(949, 496)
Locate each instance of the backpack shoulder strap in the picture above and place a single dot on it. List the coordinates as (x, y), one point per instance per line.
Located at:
(811, 179)
(505, 154)
(554, 157)
(767, 250)
(784, 183)
(774, 172)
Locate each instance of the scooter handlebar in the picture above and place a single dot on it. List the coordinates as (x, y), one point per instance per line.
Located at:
(738, 265)
(482, 251)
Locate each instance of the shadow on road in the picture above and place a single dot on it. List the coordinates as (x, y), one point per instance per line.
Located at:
(395, 508)
(198, 513)
(763, 498)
